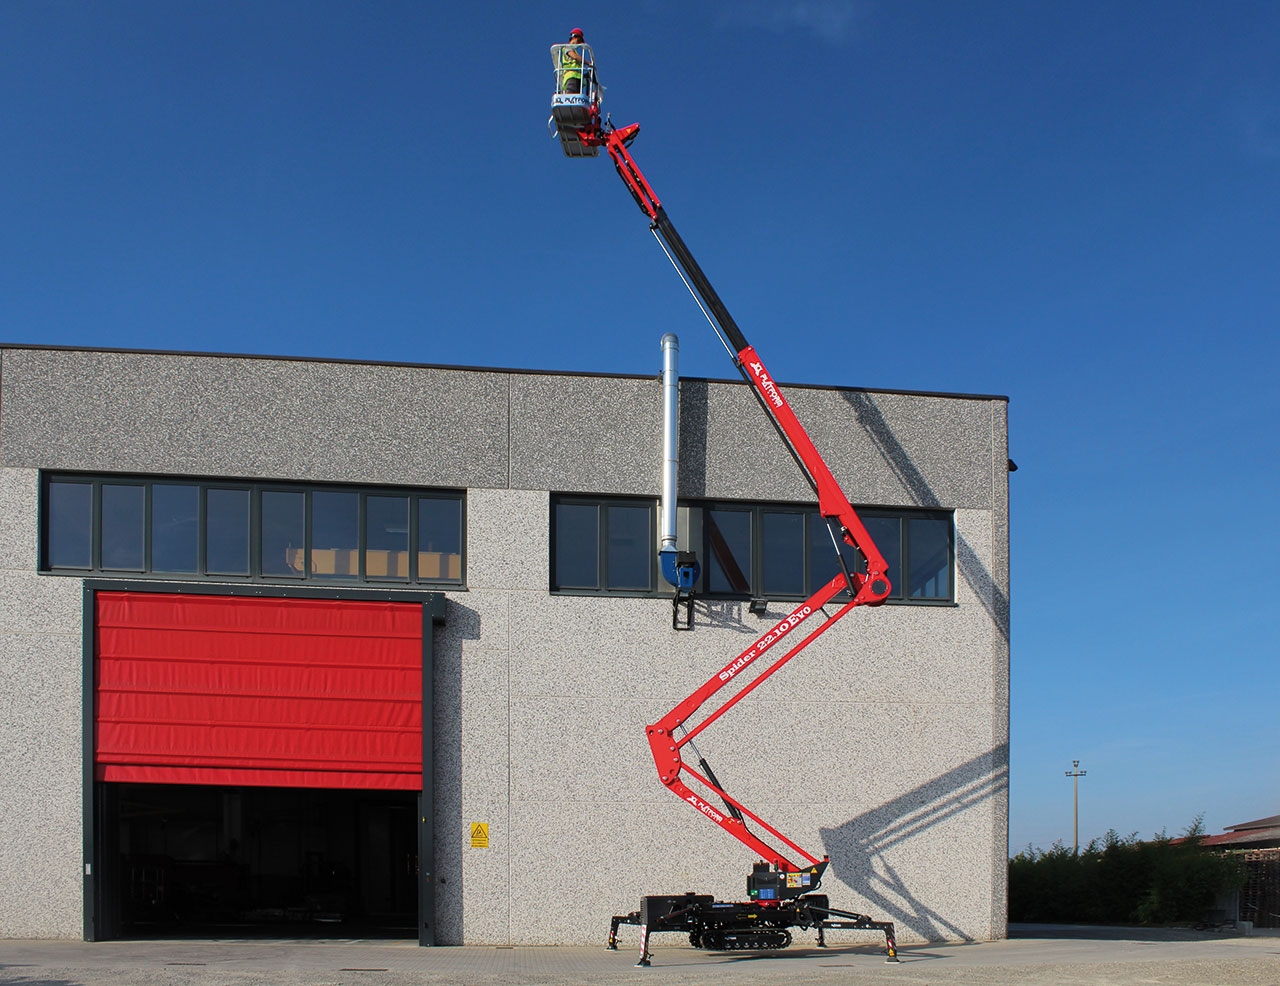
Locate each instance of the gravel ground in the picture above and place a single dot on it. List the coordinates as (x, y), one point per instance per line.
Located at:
(1053, 957)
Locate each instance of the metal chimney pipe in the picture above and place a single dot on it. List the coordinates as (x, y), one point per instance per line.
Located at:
(670, 439)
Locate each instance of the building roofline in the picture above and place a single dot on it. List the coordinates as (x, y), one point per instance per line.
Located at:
(480, 369)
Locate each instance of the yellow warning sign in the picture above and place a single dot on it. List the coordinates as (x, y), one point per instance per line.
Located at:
(479, 835)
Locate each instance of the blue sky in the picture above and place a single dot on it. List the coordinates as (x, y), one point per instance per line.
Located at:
(1076, 205)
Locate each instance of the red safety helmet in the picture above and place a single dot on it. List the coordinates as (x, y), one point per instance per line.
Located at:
(576, 33)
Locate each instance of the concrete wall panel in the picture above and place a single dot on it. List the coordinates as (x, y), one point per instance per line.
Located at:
(584, 434)
(612, 647)
(507, 543)
(883, 449)
(251, 418)
(19, 534)
(40, 776)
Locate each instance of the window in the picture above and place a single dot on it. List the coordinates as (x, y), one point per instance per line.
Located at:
(929, 541)
(175, 529)
(440, 538)
(335, 535)
(283, 544)
(782, 543)
(226, 548)
(69, 533)
(747, 550)
(386, 532)
(577, 541)
(630, 545)
(603, 545)
(728, 550)
(123, 531)
(279, 532)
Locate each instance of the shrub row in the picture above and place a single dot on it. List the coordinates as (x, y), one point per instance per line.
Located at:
(1118, 880)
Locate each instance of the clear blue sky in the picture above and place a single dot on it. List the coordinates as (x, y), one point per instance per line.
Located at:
(1074, 204)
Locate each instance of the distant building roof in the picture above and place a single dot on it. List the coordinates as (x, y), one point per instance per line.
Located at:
(1257, 834)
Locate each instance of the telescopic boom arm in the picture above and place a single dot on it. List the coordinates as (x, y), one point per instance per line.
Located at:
(833, 505)
(867, 588)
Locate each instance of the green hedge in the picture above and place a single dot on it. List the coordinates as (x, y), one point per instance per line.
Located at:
(1121, 881)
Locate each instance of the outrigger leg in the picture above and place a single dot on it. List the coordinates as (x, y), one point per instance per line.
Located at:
(856, 922)
(632, 918)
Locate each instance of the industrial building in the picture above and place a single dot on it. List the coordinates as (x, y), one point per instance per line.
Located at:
(321, 647)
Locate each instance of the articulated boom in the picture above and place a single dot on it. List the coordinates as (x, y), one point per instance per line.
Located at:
(782, 884)
(667, 746)
(865, 588)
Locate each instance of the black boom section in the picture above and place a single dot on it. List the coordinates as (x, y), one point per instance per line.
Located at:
(663, 226)
(697, 280)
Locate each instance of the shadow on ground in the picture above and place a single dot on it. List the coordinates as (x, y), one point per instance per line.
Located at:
(1116, 932)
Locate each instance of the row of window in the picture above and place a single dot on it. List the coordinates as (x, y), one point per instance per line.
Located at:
(250, 530)
(746, 550)
(269, 531)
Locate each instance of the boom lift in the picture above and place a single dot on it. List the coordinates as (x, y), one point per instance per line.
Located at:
(782, 885)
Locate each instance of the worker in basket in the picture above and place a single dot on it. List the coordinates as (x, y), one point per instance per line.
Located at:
(571, 63)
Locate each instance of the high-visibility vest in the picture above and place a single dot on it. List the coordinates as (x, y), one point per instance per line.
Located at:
(570, 68)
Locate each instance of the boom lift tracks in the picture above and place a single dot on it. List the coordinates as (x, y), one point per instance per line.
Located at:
(782, 886)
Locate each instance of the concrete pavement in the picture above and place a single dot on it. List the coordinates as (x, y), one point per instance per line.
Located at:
(1057, 958)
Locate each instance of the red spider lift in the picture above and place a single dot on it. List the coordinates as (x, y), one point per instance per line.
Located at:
(781, 886)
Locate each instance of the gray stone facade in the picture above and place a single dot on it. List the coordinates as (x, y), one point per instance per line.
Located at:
(886, 743)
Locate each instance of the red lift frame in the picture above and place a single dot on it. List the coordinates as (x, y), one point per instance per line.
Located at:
(867, 588)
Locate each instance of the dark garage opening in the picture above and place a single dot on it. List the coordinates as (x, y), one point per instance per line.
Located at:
(197, 861)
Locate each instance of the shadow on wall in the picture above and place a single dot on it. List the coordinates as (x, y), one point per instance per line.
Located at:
(461, 623)
(968, 564)
(725, 614)
(856, 847)
(693, 438)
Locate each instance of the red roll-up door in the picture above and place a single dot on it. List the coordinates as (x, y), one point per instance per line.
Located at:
(257, 691)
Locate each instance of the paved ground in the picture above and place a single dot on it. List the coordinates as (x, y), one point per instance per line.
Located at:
(1036, 957)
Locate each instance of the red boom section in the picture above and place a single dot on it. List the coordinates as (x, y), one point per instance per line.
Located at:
(873, 586)
(666, 746)
(615, 142)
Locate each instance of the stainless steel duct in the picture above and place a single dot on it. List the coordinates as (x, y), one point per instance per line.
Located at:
(670, 439)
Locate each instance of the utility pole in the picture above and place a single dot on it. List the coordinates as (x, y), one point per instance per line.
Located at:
(1075, 773)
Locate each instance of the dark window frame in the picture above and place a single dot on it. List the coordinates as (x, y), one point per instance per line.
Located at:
(756, 509)
(601, 588)
(255, 489)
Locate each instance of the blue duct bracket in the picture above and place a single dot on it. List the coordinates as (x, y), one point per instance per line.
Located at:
(681, 569)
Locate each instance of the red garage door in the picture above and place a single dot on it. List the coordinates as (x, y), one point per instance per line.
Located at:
(259, 691)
